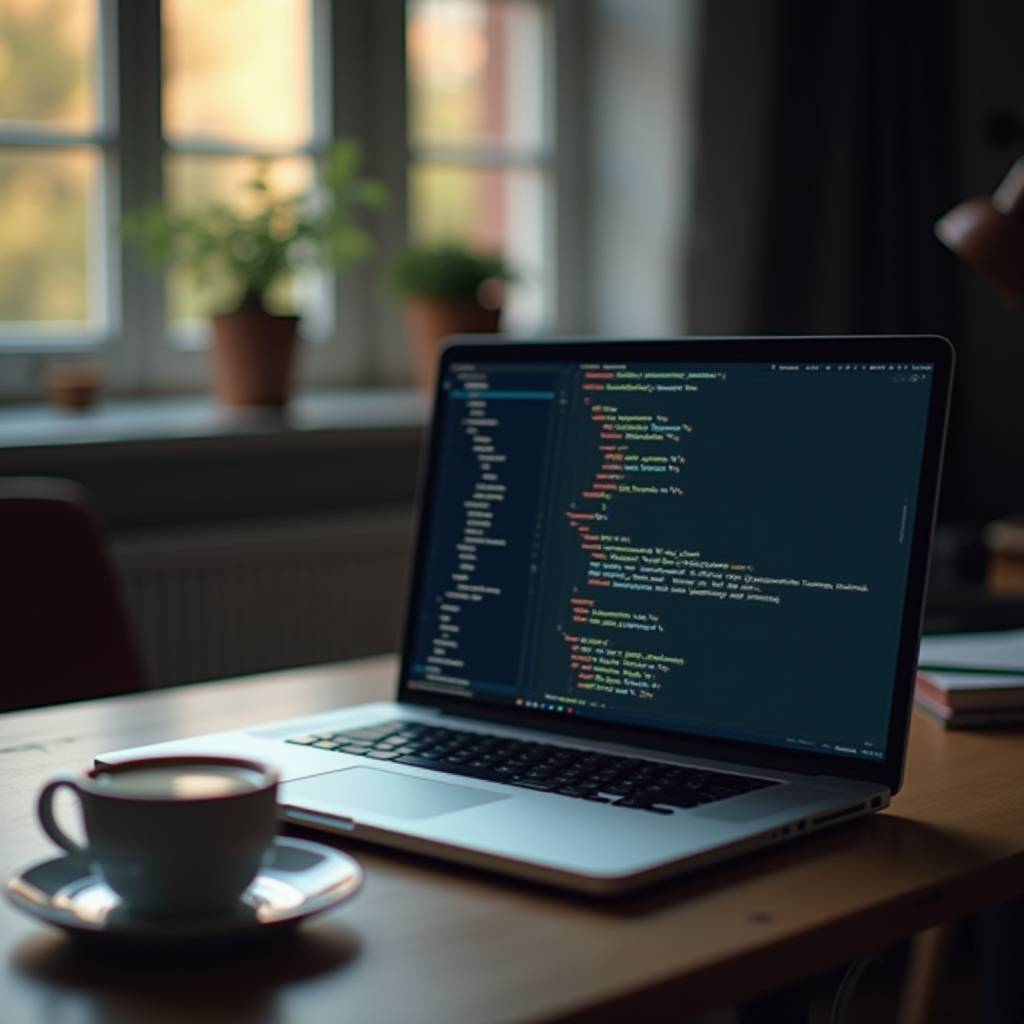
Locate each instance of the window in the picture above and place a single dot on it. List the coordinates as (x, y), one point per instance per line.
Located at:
(481, 134)
(108, 104)
(224, 104)
(56, 133)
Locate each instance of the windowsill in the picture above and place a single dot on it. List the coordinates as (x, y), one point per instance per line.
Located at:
(118, 421)
(160, 463)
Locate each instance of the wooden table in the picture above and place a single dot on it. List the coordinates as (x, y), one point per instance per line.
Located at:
(429, 944)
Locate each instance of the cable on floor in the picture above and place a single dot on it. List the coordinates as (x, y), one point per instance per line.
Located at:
(844, 994)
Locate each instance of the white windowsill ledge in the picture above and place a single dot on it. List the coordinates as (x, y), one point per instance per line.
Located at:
(131, 420)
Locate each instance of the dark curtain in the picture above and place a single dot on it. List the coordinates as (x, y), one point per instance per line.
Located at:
(861, 161)
(827, 149)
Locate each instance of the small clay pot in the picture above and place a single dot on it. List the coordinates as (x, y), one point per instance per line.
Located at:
(252, 355)
(74, 386)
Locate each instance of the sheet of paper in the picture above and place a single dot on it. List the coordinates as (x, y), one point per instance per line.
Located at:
(1003, 650)
(974, 680)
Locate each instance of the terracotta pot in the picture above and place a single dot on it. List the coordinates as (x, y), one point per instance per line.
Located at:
(430, 321)
(75, 386)
(252, 357)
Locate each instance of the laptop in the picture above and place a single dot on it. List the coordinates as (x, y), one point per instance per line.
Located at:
(665, 609)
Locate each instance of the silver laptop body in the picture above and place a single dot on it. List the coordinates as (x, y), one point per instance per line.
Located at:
(693, 567)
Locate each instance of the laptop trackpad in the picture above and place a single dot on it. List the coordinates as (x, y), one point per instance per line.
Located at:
(373, 789)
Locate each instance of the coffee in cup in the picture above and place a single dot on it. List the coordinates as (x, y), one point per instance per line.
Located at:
(174, 837)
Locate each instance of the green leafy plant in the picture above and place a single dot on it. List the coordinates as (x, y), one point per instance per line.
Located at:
(447, 271)
(251, 253)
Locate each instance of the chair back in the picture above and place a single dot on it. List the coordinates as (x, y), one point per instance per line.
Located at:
(64, 631)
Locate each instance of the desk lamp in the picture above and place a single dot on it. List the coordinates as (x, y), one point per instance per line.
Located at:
(987, 233)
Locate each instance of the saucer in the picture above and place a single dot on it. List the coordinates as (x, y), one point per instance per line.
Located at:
(298, 878)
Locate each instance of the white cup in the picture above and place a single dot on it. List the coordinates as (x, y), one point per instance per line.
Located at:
(172, 836)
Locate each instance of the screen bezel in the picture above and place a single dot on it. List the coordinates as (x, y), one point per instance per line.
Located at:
(930, 349)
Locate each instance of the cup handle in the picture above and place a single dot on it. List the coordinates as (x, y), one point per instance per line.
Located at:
(49, 822)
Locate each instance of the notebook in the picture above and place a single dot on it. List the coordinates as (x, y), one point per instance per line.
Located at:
(665, 609)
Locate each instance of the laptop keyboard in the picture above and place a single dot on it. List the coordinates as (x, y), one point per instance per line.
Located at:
(606, 778)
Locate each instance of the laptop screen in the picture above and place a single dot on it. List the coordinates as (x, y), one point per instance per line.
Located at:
(718, 547)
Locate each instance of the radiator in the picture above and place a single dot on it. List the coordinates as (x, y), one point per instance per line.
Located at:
(215, 602)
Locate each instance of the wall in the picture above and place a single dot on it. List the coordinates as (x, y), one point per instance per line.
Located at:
(730, 150)
(247, 546)
(643, 64)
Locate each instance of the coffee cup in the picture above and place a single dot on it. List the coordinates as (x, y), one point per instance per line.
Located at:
(174, 837)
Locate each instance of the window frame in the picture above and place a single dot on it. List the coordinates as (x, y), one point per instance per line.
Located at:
(20, 339)
(360, 92)
(508, 156)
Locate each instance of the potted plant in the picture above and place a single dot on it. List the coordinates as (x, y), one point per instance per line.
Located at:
(251, 248)
(447, 289)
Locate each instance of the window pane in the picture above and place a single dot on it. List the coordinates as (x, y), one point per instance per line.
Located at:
(476, 73)
(192, 183)
(238, 71)
(46, 199)
(47, 60)
(491, 211)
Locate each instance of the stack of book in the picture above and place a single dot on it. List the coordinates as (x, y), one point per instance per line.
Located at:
(972, 679)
